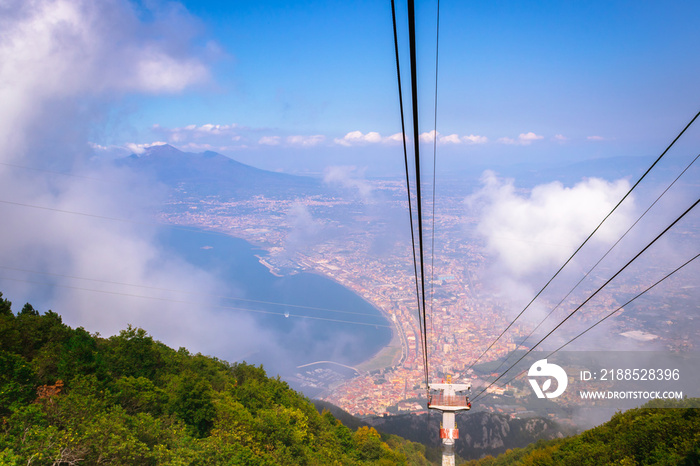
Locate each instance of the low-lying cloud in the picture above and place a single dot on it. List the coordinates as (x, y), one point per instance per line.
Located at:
(525, 232)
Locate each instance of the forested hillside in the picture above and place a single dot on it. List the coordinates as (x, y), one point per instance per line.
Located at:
(70, 397)
(662, 432)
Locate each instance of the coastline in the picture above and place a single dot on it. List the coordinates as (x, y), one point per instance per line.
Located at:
(388, 355)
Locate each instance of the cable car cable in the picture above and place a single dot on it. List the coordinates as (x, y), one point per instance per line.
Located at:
(416, 148)
(587, 239)
(603, 319)
(408, 183)
(600, 260)
(598, 290)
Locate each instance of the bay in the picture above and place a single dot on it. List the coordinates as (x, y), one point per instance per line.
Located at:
(306, 316)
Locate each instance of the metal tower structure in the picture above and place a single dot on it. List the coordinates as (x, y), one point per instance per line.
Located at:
(444, 397)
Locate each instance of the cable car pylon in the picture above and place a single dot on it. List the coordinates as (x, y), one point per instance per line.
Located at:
(448, 398)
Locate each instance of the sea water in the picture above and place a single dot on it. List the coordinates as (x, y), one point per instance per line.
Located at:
(309, 333)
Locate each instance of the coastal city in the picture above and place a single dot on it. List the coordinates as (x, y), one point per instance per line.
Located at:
(364, 244)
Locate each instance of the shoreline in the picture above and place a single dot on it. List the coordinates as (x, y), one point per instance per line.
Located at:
(388, 355)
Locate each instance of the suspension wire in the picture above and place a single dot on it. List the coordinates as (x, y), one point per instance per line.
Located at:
(600, 260)
(416, 148)
(178, 301)
(587, 239)
(594, 293)
(606, 317)
(408, 182)
(432, 237)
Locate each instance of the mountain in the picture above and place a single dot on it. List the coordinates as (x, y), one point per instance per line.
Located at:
(660, 432)
(211, 174)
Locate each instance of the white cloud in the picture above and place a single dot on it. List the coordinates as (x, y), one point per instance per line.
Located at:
(524, 139)
(451, 139)
(472, 139)
(214, 129)
(527, 138)
(596, 138)
(349, 177)
(141, 148)
(560, 138)
(429, 137)
(398, 137)
(57, 49)
(304, 230)
(358, 138)
(355, 137)
(158, 72)
(528, 231)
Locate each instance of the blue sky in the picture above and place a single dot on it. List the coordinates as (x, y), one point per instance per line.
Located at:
(577, 80)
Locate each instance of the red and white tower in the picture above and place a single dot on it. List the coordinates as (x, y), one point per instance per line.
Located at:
(449, 398)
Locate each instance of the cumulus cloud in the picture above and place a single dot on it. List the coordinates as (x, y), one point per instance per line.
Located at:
(53, 50)
(430, 137)
(395, 138)
(354, 138)
(473, 139)
(141, 148)
(524, 139)
(526, 232)
(358, 138)
(595, 138)
(560, 138)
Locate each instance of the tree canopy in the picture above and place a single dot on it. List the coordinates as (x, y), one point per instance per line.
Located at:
(71, 397)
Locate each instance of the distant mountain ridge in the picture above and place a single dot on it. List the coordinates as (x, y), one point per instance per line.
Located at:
(481, 433)
(210, 173)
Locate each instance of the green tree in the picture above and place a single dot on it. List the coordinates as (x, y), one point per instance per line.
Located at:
(17, 381)
(192, 402)
(80, 355)
(134, 353)
(5, 307)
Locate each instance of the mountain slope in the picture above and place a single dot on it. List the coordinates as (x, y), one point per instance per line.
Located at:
(661, 432)
(209, 173)
(69, 397)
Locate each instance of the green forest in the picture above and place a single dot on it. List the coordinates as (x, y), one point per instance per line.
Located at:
(70, 397)
(662, 432)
